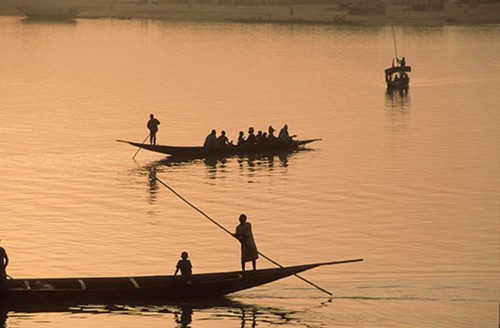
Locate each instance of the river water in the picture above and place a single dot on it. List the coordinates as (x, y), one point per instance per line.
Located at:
(409, 182)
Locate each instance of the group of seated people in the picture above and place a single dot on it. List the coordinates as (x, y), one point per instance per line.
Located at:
(251, 140)
(400, 77)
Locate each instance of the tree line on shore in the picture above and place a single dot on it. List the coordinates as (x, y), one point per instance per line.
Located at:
(232, 2)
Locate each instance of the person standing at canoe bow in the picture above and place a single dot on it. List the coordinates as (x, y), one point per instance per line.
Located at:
(284, 137)
(249, 251)
(153, 129)
(4, 261)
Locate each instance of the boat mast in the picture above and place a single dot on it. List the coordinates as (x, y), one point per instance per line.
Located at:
(394, 38)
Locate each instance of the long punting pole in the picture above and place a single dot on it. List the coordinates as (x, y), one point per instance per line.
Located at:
(140, 147)
(229, 232)
(394, 38)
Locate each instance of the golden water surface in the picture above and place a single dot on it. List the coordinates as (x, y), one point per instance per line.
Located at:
(409, 182)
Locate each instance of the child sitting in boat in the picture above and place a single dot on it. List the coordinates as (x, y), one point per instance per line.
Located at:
(185, 267)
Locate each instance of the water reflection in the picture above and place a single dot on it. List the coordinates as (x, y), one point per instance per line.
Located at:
(252, 315)
(247, 166)
(397, 98)
(247, 316)
(217, 167)
(250, 162)
(153, 185)
(398, 109)
(184, 317)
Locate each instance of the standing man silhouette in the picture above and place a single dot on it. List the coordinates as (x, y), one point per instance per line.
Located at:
(249, 251)
(153, 128)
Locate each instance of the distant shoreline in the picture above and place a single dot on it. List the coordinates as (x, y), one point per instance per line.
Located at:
(451, 14)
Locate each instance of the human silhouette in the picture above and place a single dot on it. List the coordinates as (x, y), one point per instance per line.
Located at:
(271, 137)
(211, 140)
(251, 138)
(153, 129)
(222, 140)
(185, 267)
(249, 251)
(284, 137)
(241, 139)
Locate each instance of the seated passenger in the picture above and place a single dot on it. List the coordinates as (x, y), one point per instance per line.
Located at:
(251, 139)
(258, 137)
(263, 140)
(211, 140)
(271, 137)
(222, 140)
(241, 139)
(284, 137)
(185, 267)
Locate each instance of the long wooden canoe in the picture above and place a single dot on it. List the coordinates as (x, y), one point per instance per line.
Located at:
(144, 288)
(200, 151)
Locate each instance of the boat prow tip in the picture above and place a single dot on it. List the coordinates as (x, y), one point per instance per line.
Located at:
(341, 262)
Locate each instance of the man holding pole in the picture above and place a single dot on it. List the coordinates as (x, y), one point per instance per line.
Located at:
(244, 234)
(153, 128)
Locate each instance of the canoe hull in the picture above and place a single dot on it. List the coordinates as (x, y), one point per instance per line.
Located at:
(202, 152)
(143, 288)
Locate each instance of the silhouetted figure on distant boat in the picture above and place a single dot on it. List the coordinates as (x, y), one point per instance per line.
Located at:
(263, 140)
(249, 251)
(185, 267)
(222, 140)
(153, 129)
(4, 261)
(251, 139)
(284, 137)
(402, 61)
(211, 140)
(271, 137)
(241, 139)
(258, 137)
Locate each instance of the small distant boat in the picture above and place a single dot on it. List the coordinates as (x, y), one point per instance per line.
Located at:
(56, 13)
(397, 77)
(144, 288)
(202, 152)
